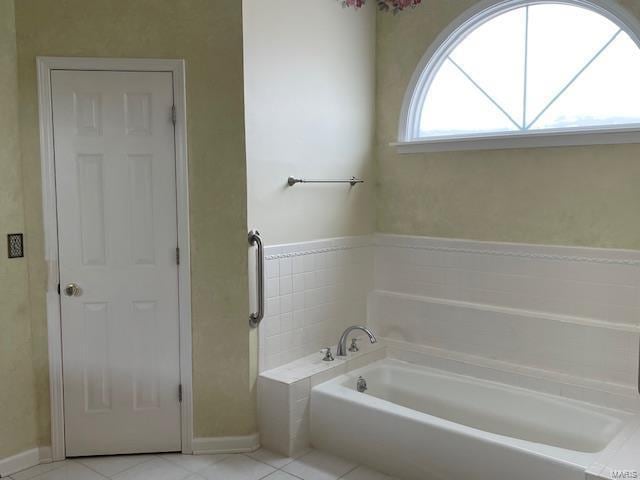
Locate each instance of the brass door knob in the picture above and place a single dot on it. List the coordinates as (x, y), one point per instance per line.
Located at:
(72, 290)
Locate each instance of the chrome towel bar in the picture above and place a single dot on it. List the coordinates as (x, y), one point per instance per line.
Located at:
(291, 181)
(254, 239)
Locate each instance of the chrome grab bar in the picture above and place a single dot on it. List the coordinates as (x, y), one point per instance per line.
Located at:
(256, 317)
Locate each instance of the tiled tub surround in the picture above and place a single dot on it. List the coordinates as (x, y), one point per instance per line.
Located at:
(558, 320)
(567, 314)
(314, 290)
(284, 392)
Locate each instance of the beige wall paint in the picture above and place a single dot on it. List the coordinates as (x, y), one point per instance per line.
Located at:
(572, 196)
(309, 90)
(209, 36)
(17, 399)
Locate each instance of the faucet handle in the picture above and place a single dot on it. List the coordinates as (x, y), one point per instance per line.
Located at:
(354, 345)
(328, 356)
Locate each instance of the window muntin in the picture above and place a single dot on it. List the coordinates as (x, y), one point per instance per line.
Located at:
(535, 67)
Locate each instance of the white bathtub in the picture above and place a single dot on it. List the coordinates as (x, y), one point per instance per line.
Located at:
(420, 423)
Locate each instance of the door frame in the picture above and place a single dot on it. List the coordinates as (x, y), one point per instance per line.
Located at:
(45, 65)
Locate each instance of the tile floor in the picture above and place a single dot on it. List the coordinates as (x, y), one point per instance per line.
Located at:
(262, 464)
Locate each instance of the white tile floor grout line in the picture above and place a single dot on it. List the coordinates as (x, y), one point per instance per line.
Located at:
(347, 473)
(188, 472)
(281, 469)
(85, 466)
(128, 468)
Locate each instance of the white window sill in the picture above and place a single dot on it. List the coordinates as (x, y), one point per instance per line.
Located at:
(547, 138)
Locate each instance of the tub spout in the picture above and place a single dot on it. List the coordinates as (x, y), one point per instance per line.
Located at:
(342, 344)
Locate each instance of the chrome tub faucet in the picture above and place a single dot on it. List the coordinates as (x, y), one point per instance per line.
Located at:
(342, 344)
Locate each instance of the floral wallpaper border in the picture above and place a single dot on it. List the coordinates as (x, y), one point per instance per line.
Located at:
(394, 6)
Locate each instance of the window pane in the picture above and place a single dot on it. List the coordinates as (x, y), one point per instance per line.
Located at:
(541, 66)
(562, 40)
(605, 94)
(455, 106)
(493, 55)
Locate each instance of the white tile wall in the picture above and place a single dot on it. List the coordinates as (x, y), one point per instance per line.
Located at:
(564, 309)
(283, 411)
(314, 290)
(592, 283)
(571, 312)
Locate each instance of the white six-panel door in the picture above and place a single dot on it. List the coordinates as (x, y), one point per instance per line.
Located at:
(116, 202)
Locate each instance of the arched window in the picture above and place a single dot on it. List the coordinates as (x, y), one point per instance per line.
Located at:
(528, 73)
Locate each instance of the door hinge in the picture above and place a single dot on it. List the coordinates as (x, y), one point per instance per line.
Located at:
(177, 255)
(58, 289)
(180, 393)
(174, 116)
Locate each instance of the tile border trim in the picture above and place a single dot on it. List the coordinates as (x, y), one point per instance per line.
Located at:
(289, 250)
(600, 255)
(579, 254)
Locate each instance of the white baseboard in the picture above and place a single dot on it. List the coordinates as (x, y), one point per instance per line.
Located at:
(239, 444)
(46, 454)
(20, 461)
(24, 460)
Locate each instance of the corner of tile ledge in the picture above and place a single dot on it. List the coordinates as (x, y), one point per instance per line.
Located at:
(313, 364)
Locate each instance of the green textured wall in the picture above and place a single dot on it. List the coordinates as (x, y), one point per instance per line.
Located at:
(585, 196)
(208, 34)
(576, 196)
(17, 400)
